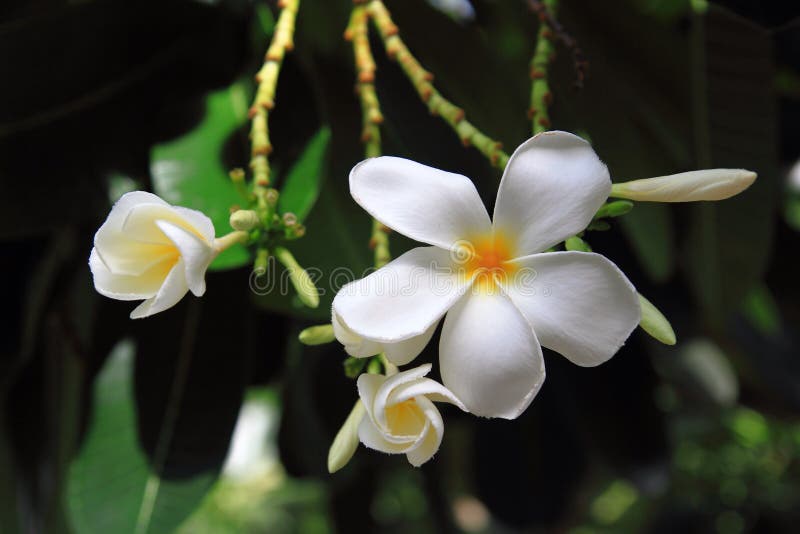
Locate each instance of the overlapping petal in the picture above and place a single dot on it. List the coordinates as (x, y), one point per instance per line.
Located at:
(194, 251)
(579, 304)
(423, 203)
(490, 357)
(551, 188)
(169, 294)
(404, 298)
(399, 353)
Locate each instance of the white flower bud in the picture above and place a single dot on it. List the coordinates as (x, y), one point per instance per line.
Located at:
(152, 251)
(401, 417)
(711, 184)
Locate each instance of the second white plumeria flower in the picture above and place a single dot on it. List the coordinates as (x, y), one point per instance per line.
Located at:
(401, 417)
(576, 303)
(152, 251)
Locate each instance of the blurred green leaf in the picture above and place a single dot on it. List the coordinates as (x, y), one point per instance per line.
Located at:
(727, 248)
(111, 487)
(188, 171)
(649, 231)
(301, 187)
(762, 311)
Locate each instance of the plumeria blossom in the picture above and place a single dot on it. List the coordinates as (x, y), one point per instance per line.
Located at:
(152, 251)
(401, 416)
(504, 297)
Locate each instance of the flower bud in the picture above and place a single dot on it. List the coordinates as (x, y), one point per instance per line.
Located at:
(152, 251)
(346, 441)
(244, 220)
(299, 277)
(271, 197)
(711, 184)
(654, 323)
(317, 335)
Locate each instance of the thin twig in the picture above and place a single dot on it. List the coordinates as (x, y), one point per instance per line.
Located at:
(421, 79)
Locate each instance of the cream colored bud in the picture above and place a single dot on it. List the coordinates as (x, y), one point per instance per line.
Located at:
(244, 220)
(711, 184)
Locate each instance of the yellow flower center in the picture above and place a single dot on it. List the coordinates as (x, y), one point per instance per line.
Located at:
(405, 418)
(488, 260)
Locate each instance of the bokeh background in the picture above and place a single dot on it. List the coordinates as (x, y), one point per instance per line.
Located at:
(212, 418)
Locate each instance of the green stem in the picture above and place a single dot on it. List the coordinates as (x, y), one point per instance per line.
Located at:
(541, 95)
(421, 79)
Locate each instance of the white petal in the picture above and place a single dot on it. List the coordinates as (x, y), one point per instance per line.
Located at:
(403, 299)
(368, 386)
(120, 210)
(551, 188)
(404, 352)
(424, 387)
(372, 437)
(423, 203)
(196, 254)
(127, 287)
(199, 221)
(171, 292)
(489, 356)
(140, 224)
(579, 304)
(355, 345)
(431, 439)
(400, 353)
(381, 399)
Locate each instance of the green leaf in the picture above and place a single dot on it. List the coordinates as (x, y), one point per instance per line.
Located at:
(728, 243)
(649, 230)
(111, 487)
(301, 187)
(189, 171)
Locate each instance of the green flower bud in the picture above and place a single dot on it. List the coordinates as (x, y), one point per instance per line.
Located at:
(654, 323)
(300, 279)
(317, 335)
(614, 209)
(244, 220)
(578, 244)
(346, 441)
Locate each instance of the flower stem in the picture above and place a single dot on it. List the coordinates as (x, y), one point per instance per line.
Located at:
(267, 79)
(228, 240)
(543, 55)
(421, 79)
(358, 32)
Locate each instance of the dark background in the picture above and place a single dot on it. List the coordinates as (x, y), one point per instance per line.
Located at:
(699, 437)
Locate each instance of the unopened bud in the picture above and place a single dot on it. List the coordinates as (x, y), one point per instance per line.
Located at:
(289, 219)
(654, 323)
(711, 184)
(317, 335)
(614, 209)
(306, 290)
(244, 220)
(271, 197)
(346, 441)
(577, 244)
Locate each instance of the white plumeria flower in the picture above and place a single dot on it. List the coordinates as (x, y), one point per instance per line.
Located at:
(148, 249)
(399, 353)
(401, 417)
(578, 304)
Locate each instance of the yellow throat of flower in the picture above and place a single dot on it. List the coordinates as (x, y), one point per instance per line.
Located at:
(489, 261)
